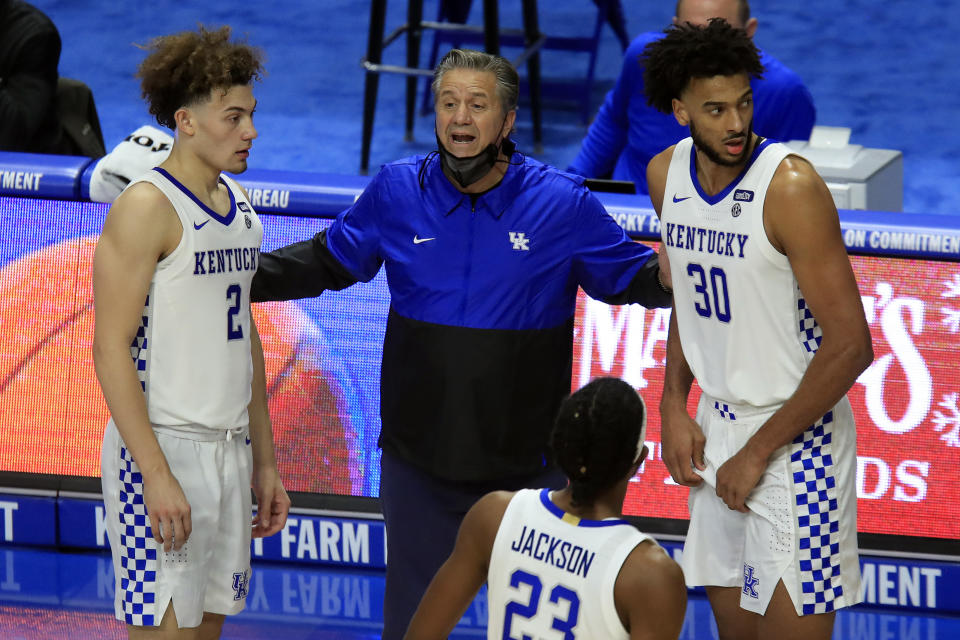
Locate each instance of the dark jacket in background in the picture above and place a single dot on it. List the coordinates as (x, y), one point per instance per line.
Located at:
(29, 55)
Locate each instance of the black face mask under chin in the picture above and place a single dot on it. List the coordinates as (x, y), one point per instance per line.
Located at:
(468, 170)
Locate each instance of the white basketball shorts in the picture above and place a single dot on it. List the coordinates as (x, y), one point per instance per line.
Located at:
(802, 523)
(211, 572)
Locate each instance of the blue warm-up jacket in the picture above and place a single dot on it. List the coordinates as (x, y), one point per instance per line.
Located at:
(478, 348)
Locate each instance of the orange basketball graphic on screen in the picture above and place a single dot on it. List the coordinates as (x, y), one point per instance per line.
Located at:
(51, 409)
(311, 425)
(52, 412)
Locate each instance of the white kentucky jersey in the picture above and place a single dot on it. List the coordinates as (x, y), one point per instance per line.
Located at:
(552, 574)
(192, 349)
(746, 330)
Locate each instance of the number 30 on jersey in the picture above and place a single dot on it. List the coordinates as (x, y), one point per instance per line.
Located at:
(713, 298)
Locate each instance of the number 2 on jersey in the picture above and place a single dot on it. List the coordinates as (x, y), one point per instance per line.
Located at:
(529, 610)
(718, 286)
(234, 328)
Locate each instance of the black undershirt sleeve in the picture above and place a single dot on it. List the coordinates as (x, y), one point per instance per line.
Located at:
(301, 270)
(645, 288)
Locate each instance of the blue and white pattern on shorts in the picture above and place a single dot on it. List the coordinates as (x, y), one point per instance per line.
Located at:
(815, 490)
(138, 555)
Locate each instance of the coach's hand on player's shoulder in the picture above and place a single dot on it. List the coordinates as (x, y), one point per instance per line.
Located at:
(738, 476)
(683, 442)
(273, 503)
(168, 510)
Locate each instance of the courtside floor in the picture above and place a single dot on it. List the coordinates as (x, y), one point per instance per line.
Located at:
(52, 594)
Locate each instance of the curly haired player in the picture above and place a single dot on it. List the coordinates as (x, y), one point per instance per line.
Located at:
(178, 356)
(767, 318)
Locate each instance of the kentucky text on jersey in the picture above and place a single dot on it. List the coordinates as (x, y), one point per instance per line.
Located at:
(554, 551)
(225, 260)
(706, 240)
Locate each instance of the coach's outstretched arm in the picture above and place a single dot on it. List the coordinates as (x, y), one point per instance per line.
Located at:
(304, 269)
(650, 287)
(611, 267)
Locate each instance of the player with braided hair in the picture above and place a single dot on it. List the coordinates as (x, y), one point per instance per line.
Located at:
(587, 440)
(768, 319)
(565, 560)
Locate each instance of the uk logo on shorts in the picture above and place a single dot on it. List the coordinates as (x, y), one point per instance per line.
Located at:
(750, 582)
(241, 584)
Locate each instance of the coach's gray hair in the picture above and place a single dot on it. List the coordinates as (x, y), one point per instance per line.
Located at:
(508, 82)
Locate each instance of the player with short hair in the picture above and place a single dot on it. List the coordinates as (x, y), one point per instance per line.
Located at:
(564, 561)
(178, 356)
(768, 319)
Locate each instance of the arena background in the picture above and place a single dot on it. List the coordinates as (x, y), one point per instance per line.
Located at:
(323, 357)
(884, 69)
(308, 116)
(323, 354)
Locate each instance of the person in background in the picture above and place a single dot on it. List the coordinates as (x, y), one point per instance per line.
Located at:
(627, 131)
(29, 56)
(564, 561)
